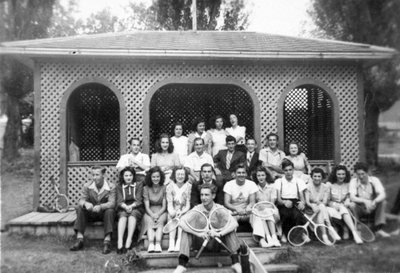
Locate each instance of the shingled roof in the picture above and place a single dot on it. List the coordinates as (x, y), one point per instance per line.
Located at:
(200, 44)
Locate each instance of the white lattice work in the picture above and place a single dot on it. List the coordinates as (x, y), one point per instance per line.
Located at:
(134, 80)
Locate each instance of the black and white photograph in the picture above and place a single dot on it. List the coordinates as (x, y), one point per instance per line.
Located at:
(172, 136)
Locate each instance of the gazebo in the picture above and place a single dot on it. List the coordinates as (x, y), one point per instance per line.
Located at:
(95, 92)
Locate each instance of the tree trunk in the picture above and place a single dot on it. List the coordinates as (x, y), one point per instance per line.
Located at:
(12, 137)
(371, 132)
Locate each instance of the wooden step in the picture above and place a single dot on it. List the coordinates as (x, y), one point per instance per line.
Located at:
(208, 259)
(246, 236)
(271, 268)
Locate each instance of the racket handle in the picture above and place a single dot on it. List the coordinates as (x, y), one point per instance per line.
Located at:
(205, 242)
(224, 245)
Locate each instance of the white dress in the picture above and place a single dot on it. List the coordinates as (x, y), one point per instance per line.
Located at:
(218, 140)
(180, 147)
(239, 131)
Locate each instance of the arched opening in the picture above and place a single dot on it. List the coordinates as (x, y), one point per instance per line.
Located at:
(308, 118)
(93, 124)
(183, 102)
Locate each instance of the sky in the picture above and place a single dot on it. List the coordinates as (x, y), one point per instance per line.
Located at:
(285, 17)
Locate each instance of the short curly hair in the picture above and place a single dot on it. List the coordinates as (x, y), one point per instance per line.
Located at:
(155, 169)
(333, 176)
(124, 170)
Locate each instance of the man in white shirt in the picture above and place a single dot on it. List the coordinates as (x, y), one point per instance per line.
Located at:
(191, 237)
(198, 158)
(370, 197)
(240, 194)
(290, 198)
(271, 156)
(136, 159)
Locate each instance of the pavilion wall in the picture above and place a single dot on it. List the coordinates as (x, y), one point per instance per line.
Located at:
(135, 80)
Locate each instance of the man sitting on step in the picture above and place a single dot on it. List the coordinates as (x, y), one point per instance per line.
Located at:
(97, 203)
(191, 237)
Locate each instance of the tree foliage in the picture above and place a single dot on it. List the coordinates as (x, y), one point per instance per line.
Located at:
(374, 22)
(20, 20)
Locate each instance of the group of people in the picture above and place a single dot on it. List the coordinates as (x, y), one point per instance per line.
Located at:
(199, 171)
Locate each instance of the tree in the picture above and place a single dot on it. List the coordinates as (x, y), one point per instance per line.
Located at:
(20, 19)
(177, 14)
(374, 22)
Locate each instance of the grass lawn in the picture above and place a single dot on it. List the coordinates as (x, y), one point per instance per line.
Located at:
(50, 254)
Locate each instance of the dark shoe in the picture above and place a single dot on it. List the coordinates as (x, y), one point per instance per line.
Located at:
(77, 246)
(106, 248)
(121, 250)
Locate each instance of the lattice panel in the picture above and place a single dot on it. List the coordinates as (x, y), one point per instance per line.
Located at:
(80, 175)
(98, 121)
(184, 102)
(134, 81)
(308, 119)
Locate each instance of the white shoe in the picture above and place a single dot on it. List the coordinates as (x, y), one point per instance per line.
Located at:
(326, 240)
(334, 234)
(151, 248)
(283, 239)
(180, 269)
(157, 248)
(306, 238)
(357, 238)
(177, 247)
(263, 243)
(237, 268)
(382, 233)
(275, 242)
(171, 247)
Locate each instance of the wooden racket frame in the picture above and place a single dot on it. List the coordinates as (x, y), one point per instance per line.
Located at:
(62, 210)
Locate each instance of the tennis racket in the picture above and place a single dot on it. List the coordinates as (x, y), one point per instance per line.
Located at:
(62, 202)
(363, 230)
(264, 210)
(172, 224)
(298, 235)
(324, 233)
(219, 219)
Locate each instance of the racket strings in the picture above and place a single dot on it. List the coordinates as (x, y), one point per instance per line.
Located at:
(298, 236)
(196, 220)
(325, 235)
(171, 225)
(219, 219)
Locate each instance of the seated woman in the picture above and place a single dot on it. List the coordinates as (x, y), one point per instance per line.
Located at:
(302, 167)
(129, 205)
(265, 230)
(155, 203)
(238, 132)
(135, 159)
(218, 135)
(164, 156)
(180, 142)
(178, 202)
(316, 196)
(199, 130)
(339, 203)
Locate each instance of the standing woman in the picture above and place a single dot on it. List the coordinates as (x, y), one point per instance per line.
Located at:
(178, 202)
(340, 204)
(238, 132)
(218, 135)
(302, 167)
(199, 130)
(265, 230)
(180, 142)
(155, 204)
(129, 205)
(164, 156)
(317, 196)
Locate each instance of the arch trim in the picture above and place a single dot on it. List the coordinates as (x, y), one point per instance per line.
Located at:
(194, 80)
(335, 102)
(63, 122)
